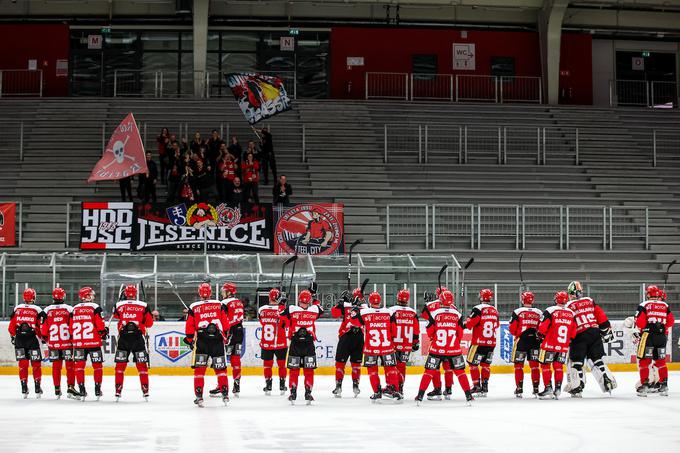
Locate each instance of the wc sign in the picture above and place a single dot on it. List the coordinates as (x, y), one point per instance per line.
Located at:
(94, 42)
(464, 57)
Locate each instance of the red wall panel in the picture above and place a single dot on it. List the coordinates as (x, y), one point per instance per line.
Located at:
(576, 69)
(46, 43)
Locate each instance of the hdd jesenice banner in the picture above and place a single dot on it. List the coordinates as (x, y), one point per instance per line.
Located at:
(309, 228)
(184, 226)
(258, 96)
(8, 224)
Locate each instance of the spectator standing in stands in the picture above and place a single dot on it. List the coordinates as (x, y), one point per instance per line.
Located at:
(226, 172)
(267, 154)
(183, 316)
(214, 144)
(250, 170)
(125, 187)
(281, 191)
(205, 183)
(164, 142)
(197, 143)
(174, 180)
(157, 316)
(147, 181)
(237, 195)
(235, 149)
(186, 185)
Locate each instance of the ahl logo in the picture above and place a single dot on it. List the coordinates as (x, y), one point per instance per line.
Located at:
(171, 346)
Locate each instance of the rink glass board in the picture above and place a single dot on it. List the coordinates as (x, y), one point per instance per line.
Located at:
(187, 226)
(167, 349)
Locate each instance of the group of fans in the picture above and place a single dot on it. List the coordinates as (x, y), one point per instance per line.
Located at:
(572, 331)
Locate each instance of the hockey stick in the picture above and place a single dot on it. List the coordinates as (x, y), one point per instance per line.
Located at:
(174, 291)
(521, 275)
(439, 277)
(668, 270)
(120, 296)
(283, 269)
(146, 333)
(349, 262)
(462, 279)
(292, 272)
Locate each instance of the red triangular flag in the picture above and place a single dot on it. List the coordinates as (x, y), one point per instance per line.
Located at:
(124, 155)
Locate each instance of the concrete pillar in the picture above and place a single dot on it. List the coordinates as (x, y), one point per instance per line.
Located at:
(200, 45)
(550, 33)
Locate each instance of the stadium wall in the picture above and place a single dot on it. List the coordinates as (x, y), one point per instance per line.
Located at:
(45, 43)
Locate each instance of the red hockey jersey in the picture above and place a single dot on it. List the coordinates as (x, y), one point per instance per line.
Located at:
(273, 334)
(377, 323)
(429, 308)
(654, 312)
(346, 314)
(55, 326)
(28, 314)
(445, 330)
(235, 311)
(586, 313)
(523, 319)
(203, 313)
(558, 327)
(133, 311)
(87, 325)
(296, 317)
(483, 322)
(405, 327)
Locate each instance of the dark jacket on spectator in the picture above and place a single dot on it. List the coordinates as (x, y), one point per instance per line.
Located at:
(281, 194)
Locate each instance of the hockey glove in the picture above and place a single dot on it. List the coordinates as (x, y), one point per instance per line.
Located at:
(428, 297)
(104, 333)
(344, 297)
(540, 337)
(188, 341)
(13, 339)
(416, 346)
(607, 335)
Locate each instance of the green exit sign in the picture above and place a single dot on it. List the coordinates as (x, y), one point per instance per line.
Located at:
(645, 53)
(106, 29)
(293, 31)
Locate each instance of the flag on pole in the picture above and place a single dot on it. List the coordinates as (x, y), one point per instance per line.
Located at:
(124, 154)
(259, 96)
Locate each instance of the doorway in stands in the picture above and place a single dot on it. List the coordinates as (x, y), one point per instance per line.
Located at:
(646, 78)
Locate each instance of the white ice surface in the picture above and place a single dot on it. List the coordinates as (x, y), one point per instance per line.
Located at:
(500, 423)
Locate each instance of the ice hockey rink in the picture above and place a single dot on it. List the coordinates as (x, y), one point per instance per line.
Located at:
(170, 422)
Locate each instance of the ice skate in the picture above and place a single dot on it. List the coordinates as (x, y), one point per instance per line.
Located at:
(215, 393)
(558, 390)
(447, 393)
(535, 389)
(355, 388)
(577, 392)
(267, 387)
(377, 396)
(224, 392)
(642, 390)
(608, 384)
(293, 395)
(98, 391)
(72, 393)
(484, 389)
(519, 390)
(145, 392)
(476, 390)
(663, 388)
(469, 398)
(308, 396)
(419, 397)
(236, 389)
(82, 392)
(119, 390)
(282, 386)
(24, 389)
(338, 389)
(198, 391)
(57, 392)
(547, 393)
(38, 390)
(435, 395)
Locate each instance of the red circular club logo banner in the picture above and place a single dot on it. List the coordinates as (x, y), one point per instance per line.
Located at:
(312, 228)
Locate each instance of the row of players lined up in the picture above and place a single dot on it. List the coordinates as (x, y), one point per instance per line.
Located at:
(574, 328)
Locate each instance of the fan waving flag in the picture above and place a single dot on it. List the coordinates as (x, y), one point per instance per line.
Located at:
(258, 96)
(124, 154)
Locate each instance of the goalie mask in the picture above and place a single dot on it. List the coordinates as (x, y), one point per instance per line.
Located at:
(575, 289)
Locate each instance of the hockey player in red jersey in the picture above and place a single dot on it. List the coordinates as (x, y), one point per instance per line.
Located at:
(55, 329)
(445, 330)
(556, 330)
(134, 319)
(405, 333)
(523, 326)
(592, 329)
(431, 305)
(24, 330)
(234, 348)
(653, 320)
(378, 347)
(483, 322)
(87, 333)
(273, 340)
(351, 340)
(205, 332)
(300, 321)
